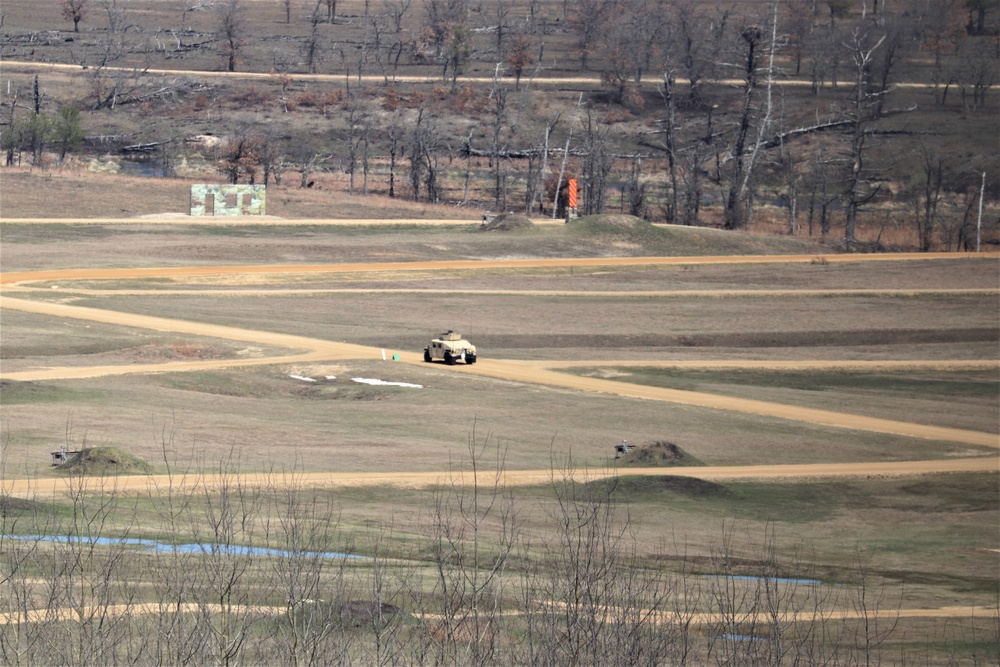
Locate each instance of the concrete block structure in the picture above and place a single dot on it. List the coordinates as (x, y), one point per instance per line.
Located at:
(227, 200)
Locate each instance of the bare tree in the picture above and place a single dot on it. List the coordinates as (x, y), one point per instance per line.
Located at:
(474, 528)
(597, 164)
(358, 140)
(694, 45)
(231, 31)
(865, 42)
(978, 11)
(458, 49)
(240, 156)
(499, 95)
(927, 204)
(737, 208)
(118, 15)
(393, 134)
(396, 10)
(636, 190)
(873, 604)
(519, 56)
(423, 143)
(977, 71)
(501, 10)
(669, 125)
(588, 20)
(442, 17)
(331, 9)
(797, 24)
(628, 45)
(75, 11)
(939, 27)
(313, 43)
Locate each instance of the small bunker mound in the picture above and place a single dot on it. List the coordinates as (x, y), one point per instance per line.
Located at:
(361, 612)
(609, 223)
(347, 613)
(507, 222)
(619, 220)
(657, 454)
(103, 461)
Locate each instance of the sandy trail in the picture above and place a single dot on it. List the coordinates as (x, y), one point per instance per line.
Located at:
(188, 271)
(54, 487)
(90, 613)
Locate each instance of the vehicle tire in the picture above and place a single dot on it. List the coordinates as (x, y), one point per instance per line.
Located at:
(470, 359)
(427, 355)
(448, 359)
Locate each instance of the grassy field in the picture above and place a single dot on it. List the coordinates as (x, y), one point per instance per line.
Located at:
(925, 541)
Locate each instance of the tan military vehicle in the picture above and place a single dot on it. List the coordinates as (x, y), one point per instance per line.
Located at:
(451, 347)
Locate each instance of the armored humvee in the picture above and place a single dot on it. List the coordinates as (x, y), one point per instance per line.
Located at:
(451, 347)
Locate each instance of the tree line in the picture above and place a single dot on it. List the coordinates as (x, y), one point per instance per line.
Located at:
(699, 144)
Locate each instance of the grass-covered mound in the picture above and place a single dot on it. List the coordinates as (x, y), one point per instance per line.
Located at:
(619, 232)
(657, 454)
(655, 488)
(622, 226)
(103, 461)
(629, 488)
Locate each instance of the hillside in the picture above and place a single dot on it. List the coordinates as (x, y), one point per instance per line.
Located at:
(818, 119)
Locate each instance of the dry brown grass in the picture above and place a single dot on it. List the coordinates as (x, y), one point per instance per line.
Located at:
(75, 191)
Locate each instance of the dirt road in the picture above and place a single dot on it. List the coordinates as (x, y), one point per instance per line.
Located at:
(378, 78)
(154, 484)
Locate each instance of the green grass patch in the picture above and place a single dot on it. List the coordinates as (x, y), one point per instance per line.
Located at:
(13, 392)
(654, 488)
(242, 385)
(794, 502)
(11, 507)
(971, 384)
(954, 493)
